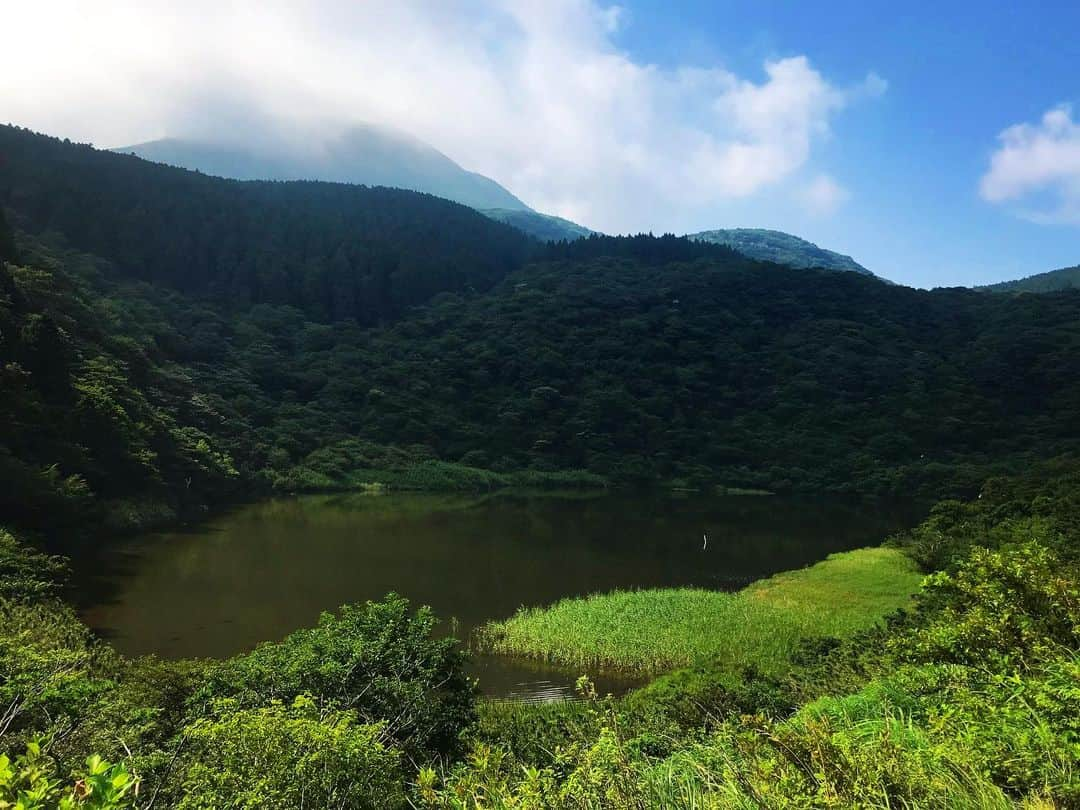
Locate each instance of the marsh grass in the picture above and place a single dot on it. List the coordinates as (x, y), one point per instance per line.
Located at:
(653, 631)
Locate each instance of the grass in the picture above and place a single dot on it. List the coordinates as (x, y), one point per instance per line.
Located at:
(654, 631)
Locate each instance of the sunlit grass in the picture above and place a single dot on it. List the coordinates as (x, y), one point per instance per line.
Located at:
(653, 631)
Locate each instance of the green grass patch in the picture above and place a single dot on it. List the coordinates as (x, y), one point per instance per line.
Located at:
(653, 631)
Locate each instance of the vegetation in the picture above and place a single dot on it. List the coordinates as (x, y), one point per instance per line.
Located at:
(345, 336)
(1067, 278)
(544, 227)
(169, 340)
(332, 250)
(781, 248)
(653, 631)
(969, 699)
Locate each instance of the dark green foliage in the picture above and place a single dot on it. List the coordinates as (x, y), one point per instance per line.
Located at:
(334, 250)
(807, 381)
(631, 359)
(1044, 505)
(26, 574)
(90, 408)
(703, 695)
(8, 251)
(378, 660)
(1067, 278)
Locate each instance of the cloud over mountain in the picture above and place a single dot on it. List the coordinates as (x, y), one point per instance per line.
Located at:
(536, 95)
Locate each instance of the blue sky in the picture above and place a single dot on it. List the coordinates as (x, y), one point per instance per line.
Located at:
(871, 128)
(958, 74)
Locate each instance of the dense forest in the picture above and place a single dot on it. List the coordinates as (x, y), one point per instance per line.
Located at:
(170, 340)
(332, 250)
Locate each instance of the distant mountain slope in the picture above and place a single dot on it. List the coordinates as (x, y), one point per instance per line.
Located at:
(780, 247)
(365, 155)
(332, 250)
(1067, 278)
(544, 227)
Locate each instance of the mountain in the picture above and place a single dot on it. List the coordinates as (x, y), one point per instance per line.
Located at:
(545, 227)
(365, 155)
(170, 336)
(1067, 278)
(329, 249)
(781, 248)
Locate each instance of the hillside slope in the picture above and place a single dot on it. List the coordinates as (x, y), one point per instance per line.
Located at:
(779, 247)
(365, 155)
(641, 368)
(333, 250)
(545, 227)
(1067, 278)
(237, 337)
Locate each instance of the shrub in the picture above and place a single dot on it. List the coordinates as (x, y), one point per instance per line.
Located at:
(378, 659)
(30, 782)
(289, 758)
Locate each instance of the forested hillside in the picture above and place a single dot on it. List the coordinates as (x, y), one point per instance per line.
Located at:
(332, 250)
(240, 337)
(779, 247)
(1067, 278)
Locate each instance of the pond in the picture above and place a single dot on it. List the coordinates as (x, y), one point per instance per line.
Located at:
(266, 569)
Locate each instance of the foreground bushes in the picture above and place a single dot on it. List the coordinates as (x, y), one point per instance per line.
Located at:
(377, 660)
(290, 757)
(969, 699)
(334, 716)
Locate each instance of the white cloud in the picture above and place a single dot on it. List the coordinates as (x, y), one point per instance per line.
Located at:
(536, 95)
(823, 196)
(1038, 166)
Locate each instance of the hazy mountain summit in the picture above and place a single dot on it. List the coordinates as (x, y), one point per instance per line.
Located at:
(779, 247)
(1067, 278)
(364, 155)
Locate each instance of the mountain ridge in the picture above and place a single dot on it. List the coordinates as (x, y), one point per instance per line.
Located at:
(1064, 278)
(362, 155)
(780, 247)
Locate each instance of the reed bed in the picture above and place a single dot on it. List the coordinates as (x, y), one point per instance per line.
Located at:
(657, 630)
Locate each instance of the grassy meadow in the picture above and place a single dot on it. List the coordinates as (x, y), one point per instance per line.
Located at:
(653, 631)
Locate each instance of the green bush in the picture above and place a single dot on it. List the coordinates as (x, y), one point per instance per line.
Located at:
(49, 668)
(26, 574)
(1003, 609)
(30, 782)
(289, 758)
(378, 659)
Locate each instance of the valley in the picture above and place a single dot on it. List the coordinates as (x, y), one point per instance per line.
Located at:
(356, 493)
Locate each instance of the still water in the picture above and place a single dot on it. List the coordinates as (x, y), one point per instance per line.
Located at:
(266, 569)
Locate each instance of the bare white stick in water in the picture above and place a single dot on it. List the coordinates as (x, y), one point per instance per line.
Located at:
(705, 545)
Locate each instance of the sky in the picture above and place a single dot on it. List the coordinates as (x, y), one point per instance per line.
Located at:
(937, 143)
